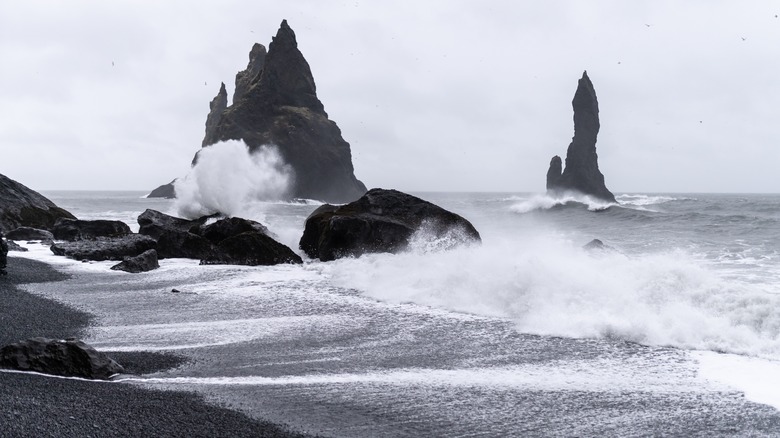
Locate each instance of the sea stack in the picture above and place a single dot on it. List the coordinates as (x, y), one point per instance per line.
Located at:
(582, 169)
(275, 103)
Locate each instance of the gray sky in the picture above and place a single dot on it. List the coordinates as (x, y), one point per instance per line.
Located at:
(432, 95)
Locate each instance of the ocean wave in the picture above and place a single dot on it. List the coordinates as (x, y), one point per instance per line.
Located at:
(553, 287)
(643, 200)
(546, 202)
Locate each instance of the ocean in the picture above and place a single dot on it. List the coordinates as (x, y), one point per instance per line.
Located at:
(673, 328)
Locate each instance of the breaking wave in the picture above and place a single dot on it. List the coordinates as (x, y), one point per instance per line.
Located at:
(546, 202)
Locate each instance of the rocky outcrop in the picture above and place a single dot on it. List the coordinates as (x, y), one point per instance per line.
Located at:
(72, 358)
(28, 233)
(21, 206)
(146, 261)
(276, 103)
(105, 248)
(217, 106)
(581, 173)
(234, 241)
(13, 246)
(166, 191)
(381, 221)
(77, 229)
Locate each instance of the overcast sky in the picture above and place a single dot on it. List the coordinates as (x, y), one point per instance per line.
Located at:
(431, 95)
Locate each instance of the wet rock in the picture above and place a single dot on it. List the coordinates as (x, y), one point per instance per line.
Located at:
(146, 261)
(380, 221)
(166, 191)
(23, 207)
(70, 357)
(77, 229)
(176, 237)
(28, 233)
(229, 227)
(581, 173)
(13, 246)
(105, 248)
(3, 254)
(251, 248)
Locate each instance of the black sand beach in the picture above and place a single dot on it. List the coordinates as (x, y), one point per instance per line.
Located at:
(35, 405)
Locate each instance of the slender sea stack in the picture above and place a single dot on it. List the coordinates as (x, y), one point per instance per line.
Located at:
(24, 207)
(275, 102)
(582, 169)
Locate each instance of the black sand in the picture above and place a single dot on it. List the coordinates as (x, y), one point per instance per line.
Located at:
(34, 405)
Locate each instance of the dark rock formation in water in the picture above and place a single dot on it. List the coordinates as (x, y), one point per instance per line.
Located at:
(21, 206)
(381, 221)
(233, 241)
(146, 261)
(276, 103)
(582, 169)
(72, 358)
(77, 229)
(105, 248)
(164, 191)
(28, 233)
(217, 106)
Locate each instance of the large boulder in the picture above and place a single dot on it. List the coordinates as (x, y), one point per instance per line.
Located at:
(21, 206)
(77, 229)
(105, 248)
(275, 103)
(176, 237)
(251, 248)
(146, 261)
(29, 233)
(234, 241)
(581, 173)
(167, 191)
(72, 358)
(380, 221)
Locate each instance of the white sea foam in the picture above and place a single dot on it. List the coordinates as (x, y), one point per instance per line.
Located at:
(546, 202)
(228, 179)
(552, 287)
(640, 200)
(758, 379)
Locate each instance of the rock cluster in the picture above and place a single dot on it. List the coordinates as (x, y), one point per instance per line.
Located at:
(72, 358)
(21, 206)
(146, 261)
(381, 221)
(276, 102)
(581, 173)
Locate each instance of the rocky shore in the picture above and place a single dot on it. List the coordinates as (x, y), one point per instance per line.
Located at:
(35, 405)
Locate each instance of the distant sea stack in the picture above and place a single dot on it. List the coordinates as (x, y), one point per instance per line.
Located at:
(275, 102)
(582, 168)
(24, 207)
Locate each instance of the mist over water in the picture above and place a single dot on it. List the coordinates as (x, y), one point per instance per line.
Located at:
(230, 180)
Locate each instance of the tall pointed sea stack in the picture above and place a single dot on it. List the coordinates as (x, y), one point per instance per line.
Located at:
(582, 168)
(275, 102)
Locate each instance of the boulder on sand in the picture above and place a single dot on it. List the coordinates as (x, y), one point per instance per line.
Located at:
(380, 221)
(72, 358)
(105, 248)
(77, 229)
(146, 261)
(28, 233)
(251, 248)
(176, 237)
(21, 206)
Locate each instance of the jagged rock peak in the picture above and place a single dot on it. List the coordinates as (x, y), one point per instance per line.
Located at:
(245, 78)
(581, 173)
(216, 107)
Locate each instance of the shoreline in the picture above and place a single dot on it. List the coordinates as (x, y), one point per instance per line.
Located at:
(37, 405)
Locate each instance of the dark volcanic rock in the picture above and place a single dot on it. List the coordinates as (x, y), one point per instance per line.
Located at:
(380, 221)
(245, 78)
(176, 237)
(164, 191)
(251, 248)
(143, 262)
(229, 227)
(280, 107)
(21, 206)
(216, 107)
(13, 246)
(105, 248)
(77, 229)
(582, 169)
(27, 233)
(71, 358)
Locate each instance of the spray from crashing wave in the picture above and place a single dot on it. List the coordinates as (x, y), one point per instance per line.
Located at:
(546, 202)
(229, 179)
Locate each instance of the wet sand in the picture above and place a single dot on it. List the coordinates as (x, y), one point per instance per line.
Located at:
(35, 405)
